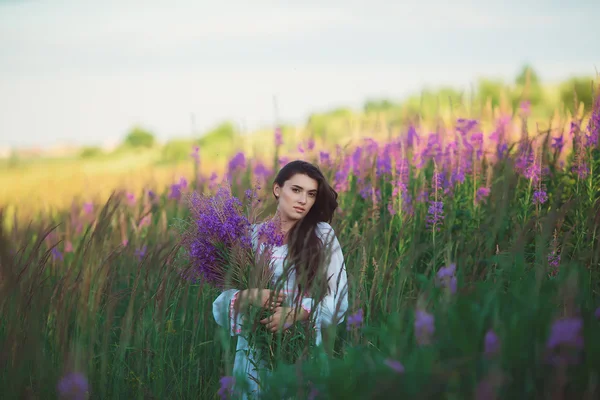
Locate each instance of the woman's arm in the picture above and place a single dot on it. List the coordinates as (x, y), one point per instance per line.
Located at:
(332, 309)
(229, 305)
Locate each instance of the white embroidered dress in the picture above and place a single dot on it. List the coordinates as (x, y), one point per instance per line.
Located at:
(334, 304)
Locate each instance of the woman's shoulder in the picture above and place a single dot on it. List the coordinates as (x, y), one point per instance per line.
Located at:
(325, 230)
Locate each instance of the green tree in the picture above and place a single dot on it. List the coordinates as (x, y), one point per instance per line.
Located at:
(177, 150)
(583, 88)
(139, 137)
(490, 89)
(223, 134)
(527, 87)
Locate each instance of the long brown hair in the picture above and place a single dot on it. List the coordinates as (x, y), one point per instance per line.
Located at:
(305, 248)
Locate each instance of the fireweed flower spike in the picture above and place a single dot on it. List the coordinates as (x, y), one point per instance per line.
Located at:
(355, 320)
(445, 278)
(491, 343)
(394, 365)
(424, 327)
(73, 386)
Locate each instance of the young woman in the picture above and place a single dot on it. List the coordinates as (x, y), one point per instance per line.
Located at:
(305, 207)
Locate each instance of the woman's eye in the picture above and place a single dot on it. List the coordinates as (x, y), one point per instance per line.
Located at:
(295, 190)
(312, 194)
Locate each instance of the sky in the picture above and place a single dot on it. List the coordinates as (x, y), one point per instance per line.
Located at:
(84, 72)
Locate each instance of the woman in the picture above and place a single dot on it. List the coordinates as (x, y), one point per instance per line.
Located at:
(305, 207)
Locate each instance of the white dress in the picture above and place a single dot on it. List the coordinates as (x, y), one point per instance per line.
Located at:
(332, 307)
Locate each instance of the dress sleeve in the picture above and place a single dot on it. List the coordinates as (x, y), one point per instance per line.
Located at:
(333, 307)
(224, 313)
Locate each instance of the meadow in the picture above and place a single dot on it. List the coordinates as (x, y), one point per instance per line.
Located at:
(472, 249)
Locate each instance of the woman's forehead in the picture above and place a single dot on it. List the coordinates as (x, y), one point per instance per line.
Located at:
(304, 181)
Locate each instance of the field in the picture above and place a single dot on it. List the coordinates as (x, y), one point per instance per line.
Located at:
(473, 255)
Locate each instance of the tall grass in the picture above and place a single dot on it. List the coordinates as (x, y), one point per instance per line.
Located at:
(98, 291)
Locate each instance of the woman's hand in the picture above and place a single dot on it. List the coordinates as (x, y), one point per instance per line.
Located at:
(283, 317)
(263, 298)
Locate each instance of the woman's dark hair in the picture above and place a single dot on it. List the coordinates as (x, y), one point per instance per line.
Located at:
(305, 248)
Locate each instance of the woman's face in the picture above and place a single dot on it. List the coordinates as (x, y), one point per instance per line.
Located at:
(296, 197)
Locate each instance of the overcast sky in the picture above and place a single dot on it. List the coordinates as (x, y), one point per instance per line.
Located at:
(85, 71)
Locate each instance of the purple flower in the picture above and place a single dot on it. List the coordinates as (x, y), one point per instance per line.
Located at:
(219, 225)
(482, 193)
(566, 331)
(175, 192)
(355, 320)
(558, 143)
(324, 157)
(540, 196)
(141, 253)
(270, 233)
(525, 107)
(195, 154)
(311, 144)
(237, 163)
(491, 343)
(130, 198)
(226, 391)
(445, 278)
(73, 386)
(394, 365)
(278, 137)
(435, 214)
(424, 327)
(88, 208)
(183, 183)
(56, 254)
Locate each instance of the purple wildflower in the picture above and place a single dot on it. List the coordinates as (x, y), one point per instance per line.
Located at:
(482, 193)
(594, 124)
(558, 143)
(88, 208)
(270, 234)
(311, 144)
(183, 183)
(261, 172)
(324, 157)
(278, 137)
(435, 214)
(566, 332)
(445, 278)
(227, 387)
(175, 192)
(195, 154)
(237, 163)
(540, 196)
(355, 320)
(141, 253)
(283, 161)
(491, 343)
(56, 254)
(219, 223)
(130, 198)
(525, 107)
(424, 327)
(394, 365)
(73, 386)
(412, 138)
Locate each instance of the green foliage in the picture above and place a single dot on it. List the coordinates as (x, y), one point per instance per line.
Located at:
(90, 152)
(177, 150)
(139, 137)
(330, 125)
(222, 135)
(491, 90)
(579, 88)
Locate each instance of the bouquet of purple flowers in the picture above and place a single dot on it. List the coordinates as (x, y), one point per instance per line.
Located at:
(222, 252)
